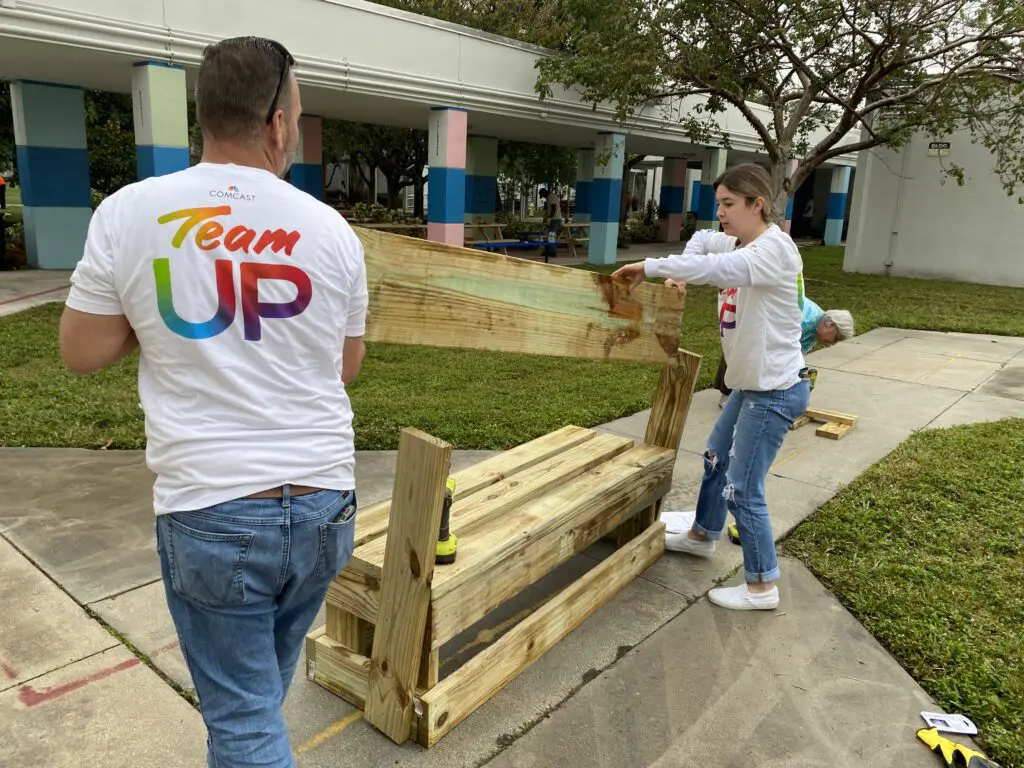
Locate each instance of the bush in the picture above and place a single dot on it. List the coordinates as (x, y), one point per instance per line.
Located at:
(638, 230)
(366, 213)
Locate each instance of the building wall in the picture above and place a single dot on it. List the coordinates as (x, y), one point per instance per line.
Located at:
(918, 226)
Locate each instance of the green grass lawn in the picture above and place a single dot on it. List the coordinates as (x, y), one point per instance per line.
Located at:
(925, 549)
(13, 205)
(472, 399)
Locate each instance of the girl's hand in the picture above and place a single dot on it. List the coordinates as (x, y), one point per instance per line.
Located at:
(632, 272)
(678, 285)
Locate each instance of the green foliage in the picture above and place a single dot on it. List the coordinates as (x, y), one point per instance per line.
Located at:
(870, 74)
(375, 213)
(110, 134)
(533, 164)
(925, 550)
(399, 153)
(6, 128)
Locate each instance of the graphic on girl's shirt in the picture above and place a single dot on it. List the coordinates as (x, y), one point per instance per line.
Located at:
(727, 311)
(239, 238)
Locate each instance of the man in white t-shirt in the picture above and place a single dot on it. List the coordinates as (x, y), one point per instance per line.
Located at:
(247, 300)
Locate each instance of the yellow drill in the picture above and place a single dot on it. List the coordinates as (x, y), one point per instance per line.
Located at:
(447, 542)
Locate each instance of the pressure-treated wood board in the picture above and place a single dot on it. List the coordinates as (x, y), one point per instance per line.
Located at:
(471, 511)
(833, 430)
(432, 294)
(460, 694)
(816, 414)
(463, 607)
(423, 466)
(373, 521)
(614, 486)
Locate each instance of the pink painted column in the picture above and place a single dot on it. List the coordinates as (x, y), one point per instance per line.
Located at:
(446, 178)
(673, 197)
(307, 171)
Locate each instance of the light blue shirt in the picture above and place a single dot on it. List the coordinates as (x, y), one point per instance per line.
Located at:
(809, 323)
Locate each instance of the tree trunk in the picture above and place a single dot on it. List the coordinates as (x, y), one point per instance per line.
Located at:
(394, 193)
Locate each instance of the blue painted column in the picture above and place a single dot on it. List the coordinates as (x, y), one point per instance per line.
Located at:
(707, 209)
(692, 187)
(160, 107)
(606, 198)
(584, 185)
(481, 179)
(307, 171)
(837, 205)
(53, 167)
(673, 199)
(446, 177)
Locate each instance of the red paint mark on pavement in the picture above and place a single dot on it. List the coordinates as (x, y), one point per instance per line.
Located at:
(33, 295)
(30, 696)
(8, 670)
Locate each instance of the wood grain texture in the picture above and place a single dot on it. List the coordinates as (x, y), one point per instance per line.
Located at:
(461, 693)
(423, 466)
(373, 521)
(472, 513)
(432, 294)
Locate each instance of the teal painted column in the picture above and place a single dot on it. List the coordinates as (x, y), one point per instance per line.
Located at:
(160, 108)
(53, 168)
(673, 199)
(307, 171)
(837, 205)
(584, 184)
(606, 198)
(481, 179)
(707, 208)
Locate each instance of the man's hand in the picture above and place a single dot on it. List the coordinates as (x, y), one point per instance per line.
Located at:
(632, 272)
(678, 285)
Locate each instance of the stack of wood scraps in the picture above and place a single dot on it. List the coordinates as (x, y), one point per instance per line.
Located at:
(834, 425)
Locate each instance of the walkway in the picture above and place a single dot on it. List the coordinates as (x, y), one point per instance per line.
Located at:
(658, 677)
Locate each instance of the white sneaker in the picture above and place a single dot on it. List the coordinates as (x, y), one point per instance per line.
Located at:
(742, 599)
(681, 542)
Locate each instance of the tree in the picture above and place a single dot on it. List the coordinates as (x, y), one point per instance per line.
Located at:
(6, 129)
(868, 72)
(110, 136)
(399, 153)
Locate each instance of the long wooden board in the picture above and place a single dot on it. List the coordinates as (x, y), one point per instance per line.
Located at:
(423, 466)
(373, 521)
(461, 693)
(617, 484)
(432, 294)
(463, 607)
(503, 498)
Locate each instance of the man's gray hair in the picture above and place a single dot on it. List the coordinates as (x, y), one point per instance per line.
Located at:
(239, 80)
(843, 321)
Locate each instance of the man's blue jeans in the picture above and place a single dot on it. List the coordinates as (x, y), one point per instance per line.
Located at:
(244, 581)
(742, 447)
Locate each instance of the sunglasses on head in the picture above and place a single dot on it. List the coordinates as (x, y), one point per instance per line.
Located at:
(287, 61)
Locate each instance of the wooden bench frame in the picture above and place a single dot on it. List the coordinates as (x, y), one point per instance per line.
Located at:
(518, 515)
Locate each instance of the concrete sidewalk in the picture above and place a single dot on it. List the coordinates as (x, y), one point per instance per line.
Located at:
(31, 287)
(90, 671)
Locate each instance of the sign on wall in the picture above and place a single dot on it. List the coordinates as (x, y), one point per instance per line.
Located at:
(938, 148)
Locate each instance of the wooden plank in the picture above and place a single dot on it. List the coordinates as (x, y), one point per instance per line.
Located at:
(463, 607)
(335, 667)
(440, 295)
(423, 465)
(349, 630)
(805, 419)
(356, 594)
(816, 414)
(833, 430)
(502, 498)
(461, 693)
(669, 412)
(373, 521)
(498, 561)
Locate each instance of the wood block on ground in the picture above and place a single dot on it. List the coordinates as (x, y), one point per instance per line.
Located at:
(460, 694)
(816, 414)
(440, 295)
(423, 466)
(833, 430)
(373, 521)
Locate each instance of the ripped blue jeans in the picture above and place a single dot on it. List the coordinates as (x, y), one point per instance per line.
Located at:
(741, 449)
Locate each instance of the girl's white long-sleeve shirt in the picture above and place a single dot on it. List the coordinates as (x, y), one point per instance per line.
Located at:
(760, 308)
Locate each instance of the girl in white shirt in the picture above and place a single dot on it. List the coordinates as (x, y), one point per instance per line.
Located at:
(761, 271)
